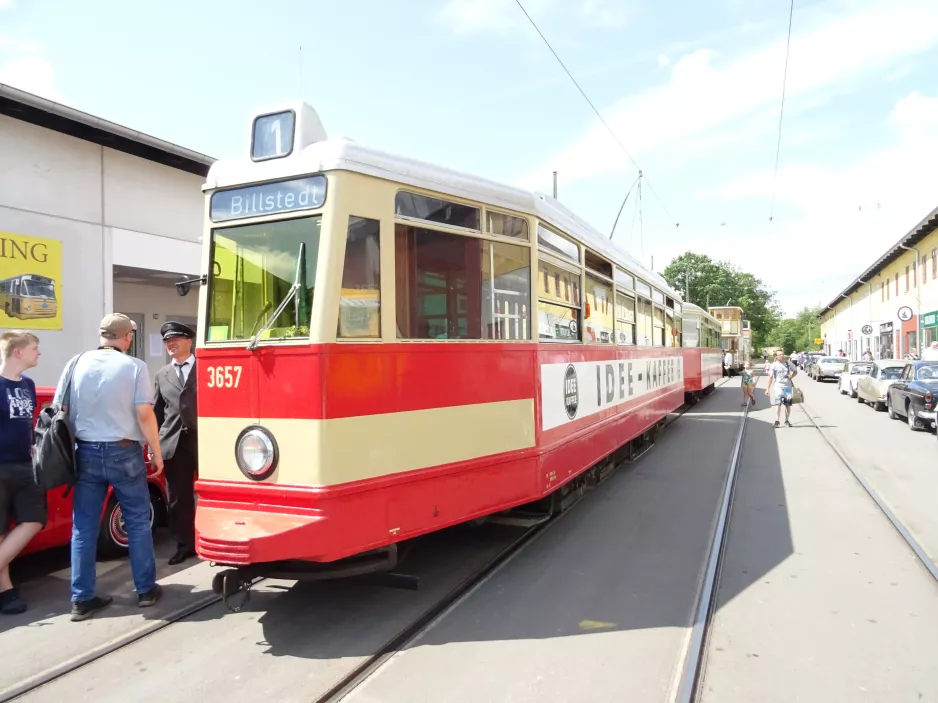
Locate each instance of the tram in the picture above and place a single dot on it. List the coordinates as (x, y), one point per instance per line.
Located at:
(732, 337)
(703, 358)
(389, 347)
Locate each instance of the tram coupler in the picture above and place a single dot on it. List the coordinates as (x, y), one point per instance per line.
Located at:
(228, 583)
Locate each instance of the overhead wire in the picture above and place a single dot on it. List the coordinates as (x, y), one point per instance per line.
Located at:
(781, 114)
(596, 111)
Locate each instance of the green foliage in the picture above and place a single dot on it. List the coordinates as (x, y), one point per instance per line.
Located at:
(797, 334)
(706, 282)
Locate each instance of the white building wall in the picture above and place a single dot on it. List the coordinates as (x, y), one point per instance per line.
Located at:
(99, 203)
(157, 305)
(148, 197)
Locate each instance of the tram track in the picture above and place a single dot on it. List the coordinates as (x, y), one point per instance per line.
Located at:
(436, 612)
(880, 502)
(99, 652)
(348, 682)
(686, 688)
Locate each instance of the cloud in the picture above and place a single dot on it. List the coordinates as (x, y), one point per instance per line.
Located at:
(475, 16)
(602, 13)
(852, 211)
(502, 16)
(836, 51)
(33, 73)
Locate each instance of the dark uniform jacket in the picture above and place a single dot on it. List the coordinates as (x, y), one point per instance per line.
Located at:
(175, 408)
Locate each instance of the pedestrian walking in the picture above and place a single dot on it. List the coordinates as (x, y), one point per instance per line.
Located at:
(21, 500)
(931, 353)
(748, 385)
(111, 411)
(780, 387)
(175, 408)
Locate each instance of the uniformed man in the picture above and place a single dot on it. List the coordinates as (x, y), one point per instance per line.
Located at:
(176, 414)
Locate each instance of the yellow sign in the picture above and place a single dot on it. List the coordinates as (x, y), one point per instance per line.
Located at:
(818, 340)
(30, 276)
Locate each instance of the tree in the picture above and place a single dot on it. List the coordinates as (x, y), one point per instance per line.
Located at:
(797, 333)
(706, 282)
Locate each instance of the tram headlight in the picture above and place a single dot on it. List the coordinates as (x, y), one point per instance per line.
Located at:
(256, 453)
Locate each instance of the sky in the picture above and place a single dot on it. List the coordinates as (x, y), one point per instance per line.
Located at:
(692, 90)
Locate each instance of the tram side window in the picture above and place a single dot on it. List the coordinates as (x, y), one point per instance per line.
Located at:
(644, 322)
(558, 305)
(658, 334)
(445, 212)
(625, 319)
(360, 300)
(454, 287)
(599, 311)
(506, 291)
(506, 225)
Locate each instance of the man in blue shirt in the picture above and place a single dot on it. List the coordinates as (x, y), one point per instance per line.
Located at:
(111, 410)
(21, 500)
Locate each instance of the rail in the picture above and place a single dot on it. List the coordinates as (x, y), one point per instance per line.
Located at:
(694, 660)
(913, 543)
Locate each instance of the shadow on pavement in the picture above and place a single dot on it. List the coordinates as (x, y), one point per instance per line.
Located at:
(629, 557)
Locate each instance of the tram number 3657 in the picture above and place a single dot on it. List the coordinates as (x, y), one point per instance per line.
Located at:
(224, 376)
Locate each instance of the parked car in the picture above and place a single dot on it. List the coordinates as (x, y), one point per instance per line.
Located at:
(808, 361)
(828, 367)
(914, 395)
(872, 389)
(112, 539)
(847, 383)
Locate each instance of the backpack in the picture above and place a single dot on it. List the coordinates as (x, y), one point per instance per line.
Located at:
(54, 463)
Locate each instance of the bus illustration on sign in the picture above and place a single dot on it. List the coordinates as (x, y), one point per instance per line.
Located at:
(28, 296)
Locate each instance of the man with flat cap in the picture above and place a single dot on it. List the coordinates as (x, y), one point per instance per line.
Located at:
(175, 409)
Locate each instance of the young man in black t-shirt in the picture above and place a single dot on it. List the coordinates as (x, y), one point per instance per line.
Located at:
(21, 500)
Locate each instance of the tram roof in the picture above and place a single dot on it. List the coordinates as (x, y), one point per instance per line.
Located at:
(690, 308)
(348, 155)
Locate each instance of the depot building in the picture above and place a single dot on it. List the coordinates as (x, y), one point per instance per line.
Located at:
(94, 218)
(892, 307)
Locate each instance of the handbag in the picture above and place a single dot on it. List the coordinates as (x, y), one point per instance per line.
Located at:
(797, 396)
(54, 462)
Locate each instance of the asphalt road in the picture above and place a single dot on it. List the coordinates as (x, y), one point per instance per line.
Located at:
(598, 608)
(850, 614)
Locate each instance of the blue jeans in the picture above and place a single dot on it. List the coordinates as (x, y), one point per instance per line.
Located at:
(101, 464)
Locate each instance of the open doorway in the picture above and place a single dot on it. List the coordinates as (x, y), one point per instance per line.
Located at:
(149, 298)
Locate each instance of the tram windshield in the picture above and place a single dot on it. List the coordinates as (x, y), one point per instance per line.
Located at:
(38, 289)
(253, 269)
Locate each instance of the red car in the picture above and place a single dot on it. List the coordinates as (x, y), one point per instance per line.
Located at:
(112, 539)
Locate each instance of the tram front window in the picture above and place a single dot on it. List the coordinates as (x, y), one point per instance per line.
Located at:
(253, 269)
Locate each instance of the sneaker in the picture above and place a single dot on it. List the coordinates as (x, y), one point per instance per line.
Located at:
(84, 609)
(776, 423)
(145, 600)
(787, 423)
(11, 603)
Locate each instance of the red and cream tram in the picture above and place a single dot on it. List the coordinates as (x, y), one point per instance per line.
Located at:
(703, 358)
(389, 347)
